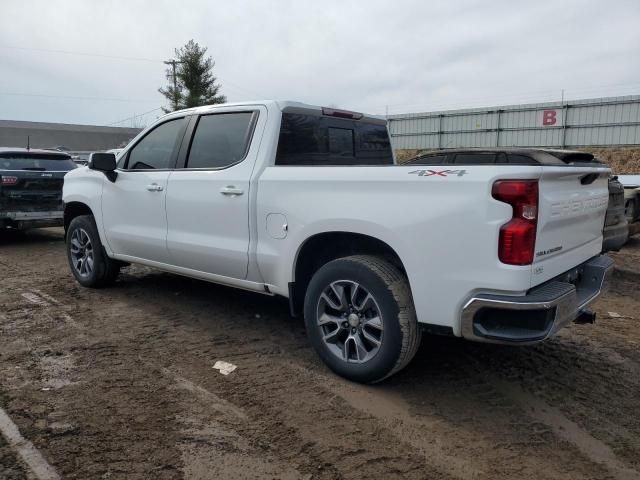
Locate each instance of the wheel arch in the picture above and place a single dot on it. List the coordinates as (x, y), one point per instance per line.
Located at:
(324, 247)
(73, 210)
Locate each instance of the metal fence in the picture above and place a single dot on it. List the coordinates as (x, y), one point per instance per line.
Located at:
(578, 123)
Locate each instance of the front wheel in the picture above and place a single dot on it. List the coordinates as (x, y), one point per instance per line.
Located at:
(360, 318)
(88, 261)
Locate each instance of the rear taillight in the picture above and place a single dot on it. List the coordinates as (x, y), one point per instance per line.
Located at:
(518, 236)
(8, 180)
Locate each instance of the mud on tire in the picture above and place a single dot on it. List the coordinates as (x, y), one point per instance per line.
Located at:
(363, 339)
(88, 261)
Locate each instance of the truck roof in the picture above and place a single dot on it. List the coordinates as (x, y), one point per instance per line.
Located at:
(287, 106)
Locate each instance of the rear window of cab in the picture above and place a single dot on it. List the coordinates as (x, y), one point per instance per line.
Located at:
(319, 140)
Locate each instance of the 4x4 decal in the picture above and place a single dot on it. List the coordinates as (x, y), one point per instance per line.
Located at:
(437, 173)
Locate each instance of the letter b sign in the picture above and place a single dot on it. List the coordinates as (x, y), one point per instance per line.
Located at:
(549, 117)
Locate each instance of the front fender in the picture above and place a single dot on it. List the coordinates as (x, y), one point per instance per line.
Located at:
(85, 186)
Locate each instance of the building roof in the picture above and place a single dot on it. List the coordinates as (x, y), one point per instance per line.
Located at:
(5, 151)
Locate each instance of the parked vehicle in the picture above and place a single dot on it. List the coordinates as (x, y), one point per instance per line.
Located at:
(616, 227)
(31, 187)
(631, 185)
(306, 202)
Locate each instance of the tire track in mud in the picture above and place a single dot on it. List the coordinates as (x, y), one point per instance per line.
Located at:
(564, 428)
(321, 434)
(596, 397)
(470, 428)
(394, 414)
(290, 416)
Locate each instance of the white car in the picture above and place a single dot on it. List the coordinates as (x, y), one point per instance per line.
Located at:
(306, 202)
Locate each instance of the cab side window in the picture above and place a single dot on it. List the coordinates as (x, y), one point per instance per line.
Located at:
(156, 151)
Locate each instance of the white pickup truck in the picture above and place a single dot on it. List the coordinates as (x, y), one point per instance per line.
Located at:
(306, 202)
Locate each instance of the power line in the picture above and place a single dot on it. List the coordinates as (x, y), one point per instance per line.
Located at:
(534, 96)
(115, 57)
(84, 54)
(15, 94)
(134, 116)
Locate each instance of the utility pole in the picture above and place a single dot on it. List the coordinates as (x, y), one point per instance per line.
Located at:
(564, 112)
(173, 64)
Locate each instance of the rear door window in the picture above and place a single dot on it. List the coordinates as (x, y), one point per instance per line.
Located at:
(157, 150)
(220, 140)
(40, 163)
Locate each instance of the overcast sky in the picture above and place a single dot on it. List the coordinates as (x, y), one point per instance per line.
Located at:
(366, 55)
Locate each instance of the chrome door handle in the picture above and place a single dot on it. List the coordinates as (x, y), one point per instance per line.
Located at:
(154, 187)
(231, 190)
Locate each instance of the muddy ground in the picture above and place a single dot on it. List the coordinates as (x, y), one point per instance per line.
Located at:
(118, 383)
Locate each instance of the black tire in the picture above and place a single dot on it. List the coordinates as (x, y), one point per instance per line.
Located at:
(400, 334)
(104, 270)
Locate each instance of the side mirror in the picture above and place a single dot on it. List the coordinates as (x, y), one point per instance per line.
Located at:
(105, 163)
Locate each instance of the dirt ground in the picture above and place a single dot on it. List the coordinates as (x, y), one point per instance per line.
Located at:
(118, 383)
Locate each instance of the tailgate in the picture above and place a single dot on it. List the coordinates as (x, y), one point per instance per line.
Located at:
(27, 191)
(572, 205)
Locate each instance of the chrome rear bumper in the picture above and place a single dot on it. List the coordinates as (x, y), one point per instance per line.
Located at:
(534, 317)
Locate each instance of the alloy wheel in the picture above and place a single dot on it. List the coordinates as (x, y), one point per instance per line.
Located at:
(81, 252)
(350, 321)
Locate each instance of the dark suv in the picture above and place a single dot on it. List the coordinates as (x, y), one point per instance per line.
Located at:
(31, 187)
(616, 228)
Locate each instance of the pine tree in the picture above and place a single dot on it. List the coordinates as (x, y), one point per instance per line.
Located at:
(195, 83)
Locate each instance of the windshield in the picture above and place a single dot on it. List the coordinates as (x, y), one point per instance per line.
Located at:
(39, 163)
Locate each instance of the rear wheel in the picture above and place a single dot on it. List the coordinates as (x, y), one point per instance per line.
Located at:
(360, 318)
(89, 263)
